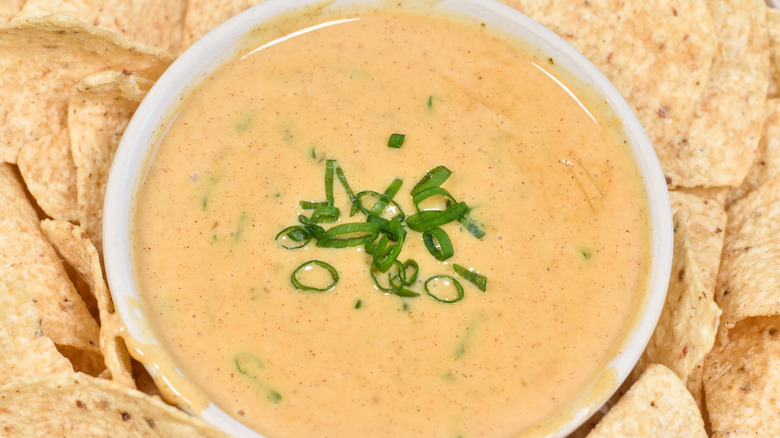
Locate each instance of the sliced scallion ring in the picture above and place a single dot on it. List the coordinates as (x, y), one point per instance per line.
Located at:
(433, 178)
(410, 279)
(427, 219)
(431, 192)
(326, 214)
(391, 286)
(388, 195)
(446, 280)
(296, 234)
(350, 234)
(478, 279)
(438, 243)
(390, 206)
(309, 266)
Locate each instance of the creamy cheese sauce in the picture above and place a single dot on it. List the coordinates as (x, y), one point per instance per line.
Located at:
(566, 249)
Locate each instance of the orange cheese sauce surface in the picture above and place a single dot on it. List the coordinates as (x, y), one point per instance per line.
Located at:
(565, 250)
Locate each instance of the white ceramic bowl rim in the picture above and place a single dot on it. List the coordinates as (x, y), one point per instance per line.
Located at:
(220, 44)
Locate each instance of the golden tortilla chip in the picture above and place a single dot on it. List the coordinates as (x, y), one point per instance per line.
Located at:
(204, 15)
(657, 405)
(706, 221)
(689, 321)
(49, 174)
(87, 362)
(718, 146)
(767, 162)
(100, 108)
(77, 405)
(24, 350)
(42, 58)
(29, 262)
(748, 277)
(77, 250)
(658, 57)
(742, 380)
(152, 22)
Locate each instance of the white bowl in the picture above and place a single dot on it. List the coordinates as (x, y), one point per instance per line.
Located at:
(220, 44)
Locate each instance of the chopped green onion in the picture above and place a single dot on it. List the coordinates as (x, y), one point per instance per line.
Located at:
(384, 259)
(326, 214)
(390, 206)
(433, 178)
(248, 364)
(478, 279)
(329, 169)
(438, 243)
(427, 219)
(295, 233)
(410, 279)
(396, 140)
(312, 205)
(311, 264)
(388, 196)
(430, 192)
(390, 287)
(358, 233)
(358, 304)
(348, 189)
(315, 230)
(446, 280)
(471, 226)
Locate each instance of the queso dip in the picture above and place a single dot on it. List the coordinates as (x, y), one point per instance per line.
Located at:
(543, 168)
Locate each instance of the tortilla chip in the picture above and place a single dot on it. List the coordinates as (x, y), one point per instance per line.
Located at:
(742, 380)
(689, 321)
(748, 277)
(48, 171)
(75, 247)
(152, 22)
(77, 405)
(204, 15)
(87, 362)
(718, 146)
(658, 404)
(717, 194)
(24, 350)
(41, 59)
(656, 56)
(100, 108)
(27, 260)
(706, 221)
(767, 162)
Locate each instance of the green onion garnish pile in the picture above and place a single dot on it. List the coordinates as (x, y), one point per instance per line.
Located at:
(382, 234)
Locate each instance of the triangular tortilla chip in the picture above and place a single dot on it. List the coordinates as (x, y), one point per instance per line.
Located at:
(706, 223)
(767, 162)
(749, 276)
(742, 380)
(100, 108)
(24, 350)
(77, 250)
(689, 321)
(48, 171)
(77, 405)
(41, 59)
(152, 22)
(657, 405)
(718, 146)
(27, 260)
